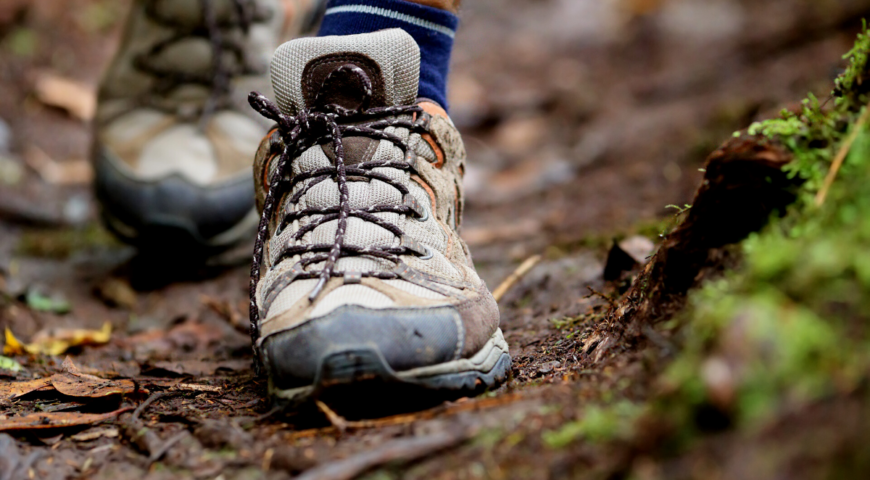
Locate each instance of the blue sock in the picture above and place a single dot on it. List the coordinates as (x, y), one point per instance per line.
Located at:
(433, 30)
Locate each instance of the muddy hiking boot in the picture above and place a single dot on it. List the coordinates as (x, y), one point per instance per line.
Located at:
(174, 133)
(360, 278)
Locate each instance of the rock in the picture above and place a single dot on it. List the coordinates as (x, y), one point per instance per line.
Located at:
(638, 247)
(115, 292)
(549, 367)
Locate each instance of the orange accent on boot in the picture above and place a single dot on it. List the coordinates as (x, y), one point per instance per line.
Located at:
(266, 167)
(268, 163)
(425, 186)
(434, 110)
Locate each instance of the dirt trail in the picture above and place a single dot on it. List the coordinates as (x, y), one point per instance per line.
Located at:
(583, 120)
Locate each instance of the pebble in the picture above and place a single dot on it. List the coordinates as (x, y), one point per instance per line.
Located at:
(549, 367)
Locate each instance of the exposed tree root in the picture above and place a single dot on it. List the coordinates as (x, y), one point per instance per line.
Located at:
(743, 186)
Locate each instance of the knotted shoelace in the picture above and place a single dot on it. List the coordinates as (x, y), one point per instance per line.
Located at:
(244, 14)
(310, 127)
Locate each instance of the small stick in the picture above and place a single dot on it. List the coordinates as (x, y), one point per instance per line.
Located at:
(335, 419)
(515, 277)
(596, 293)
(405, 449)
(841, 156)
(157, 454)
(141, 408)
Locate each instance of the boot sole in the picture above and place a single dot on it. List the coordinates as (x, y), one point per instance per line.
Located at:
(361, 374)
(158, 234)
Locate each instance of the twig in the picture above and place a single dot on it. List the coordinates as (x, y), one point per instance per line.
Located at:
(515, 277)
(157, 454)
(335, 419)
(342, 424)
(841, 156)
(195, 387)
(596, 293)
(404, 449)
(407, 419)
(141, 408)
(271, 413)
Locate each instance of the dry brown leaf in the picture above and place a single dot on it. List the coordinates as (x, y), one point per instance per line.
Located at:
(57, 341)
(73, 383)
(189, 336)
(35, 421)
(196, 368)
(71, 172)
(18, 389)
(95, 433)
(78, 99)
(116, 292)
(89, 386)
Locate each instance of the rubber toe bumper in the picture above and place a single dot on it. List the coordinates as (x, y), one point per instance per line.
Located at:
(404, 339)
(172, 209)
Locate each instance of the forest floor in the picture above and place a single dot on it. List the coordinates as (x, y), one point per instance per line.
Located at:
(584, 121)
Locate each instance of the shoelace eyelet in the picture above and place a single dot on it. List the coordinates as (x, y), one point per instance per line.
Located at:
(429, 253)
(424, 217)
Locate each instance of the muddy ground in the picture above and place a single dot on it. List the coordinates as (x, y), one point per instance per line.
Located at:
(583, 120)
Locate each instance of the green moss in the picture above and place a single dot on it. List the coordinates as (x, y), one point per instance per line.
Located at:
(62, 243)
(790, 326)
(599, 424)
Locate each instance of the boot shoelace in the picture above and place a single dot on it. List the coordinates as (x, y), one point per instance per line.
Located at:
(244, 14)
(319, 126)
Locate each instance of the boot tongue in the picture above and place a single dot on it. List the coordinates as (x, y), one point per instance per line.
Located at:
(314, 72)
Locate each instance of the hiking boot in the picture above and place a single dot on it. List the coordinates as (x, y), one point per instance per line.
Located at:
(173, 131)
(360, 278)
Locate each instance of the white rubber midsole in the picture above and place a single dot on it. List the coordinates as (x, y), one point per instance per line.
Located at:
(482, 361)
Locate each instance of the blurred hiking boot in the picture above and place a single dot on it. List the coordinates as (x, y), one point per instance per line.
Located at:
(174, 133)
(360, 278)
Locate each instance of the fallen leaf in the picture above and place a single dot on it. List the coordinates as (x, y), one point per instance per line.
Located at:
(57, 407)
(44, 303)
(78, 99)
(51, 440)
(196, 368)
(73, 383)
(12, 346)
(159, 382)
(36, 421)
(18, 389)
(57, 341)
(187, 336)
(116, 293)
(89, 386)
(76, 171)
(95, 433)
(7, 363)
(195, 387)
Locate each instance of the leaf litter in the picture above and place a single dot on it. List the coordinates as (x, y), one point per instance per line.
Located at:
(38, 421)
(55, 342)
(73, 383)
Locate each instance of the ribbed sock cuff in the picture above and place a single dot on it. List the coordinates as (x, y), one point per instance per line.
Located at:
(433, 30)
